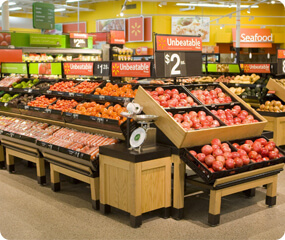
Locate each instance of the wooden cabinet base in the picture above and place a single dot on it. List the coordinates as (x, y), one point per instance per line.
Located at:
(277, 125)
(26, 153)
(135, 188)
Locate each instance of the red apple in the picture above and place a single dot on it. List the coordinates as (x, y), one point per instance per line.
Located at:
(193, 153)
(216, 141)
(272, 155)
(217, 166)
(221, 159)
(238, 162)
(159, 90)
(218, 152)
(207, 149)
(252, 154)
(230, 163)
(201, 157)
(209, 159)
(245, 159)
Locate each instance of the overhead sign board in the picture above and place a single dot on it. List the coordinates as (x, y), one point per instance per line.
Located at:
(43, 15)
(178, 56)
(254, 38)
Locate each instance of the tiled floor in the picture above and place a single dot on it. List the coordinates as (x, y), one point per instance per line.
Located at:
(30, 211)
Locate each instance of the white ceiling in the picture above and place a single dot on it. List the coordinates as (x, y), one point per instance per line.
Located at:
(85, 5)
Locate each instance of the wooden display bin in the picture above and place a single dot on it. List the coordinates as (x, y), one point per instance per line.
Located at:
(135, 183)
(182, 138)
(277, 125)
(278, 88)
(2, 157)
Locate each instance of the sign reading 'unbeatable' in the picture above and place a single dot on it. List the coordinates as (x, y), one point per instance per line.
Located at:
(178, 43)
(131, 69)
(257, 68)
(82, 68)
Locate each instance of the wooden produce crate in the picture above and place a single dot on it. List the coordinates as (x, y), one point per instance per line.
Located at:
(278, 88)
(182, 138)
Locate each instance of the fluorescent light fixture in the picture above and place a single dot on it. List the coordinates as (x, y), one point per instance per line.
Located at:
(160, 5)
(248, 10)
(59, 9)
(222, 26)
(214, 5)
(268, 55)
(13, 9)
(11, 3)
(71, 1)
(272, 2)
(121, 14)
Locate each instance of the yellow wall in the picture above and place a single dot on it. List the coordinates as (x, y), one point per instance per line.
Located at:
(162, 24)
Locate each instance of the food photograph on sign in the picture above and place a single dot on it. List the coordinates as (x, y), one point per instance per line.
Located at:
(191, 26)
(5, 39)
(44, 68)
(110, 24)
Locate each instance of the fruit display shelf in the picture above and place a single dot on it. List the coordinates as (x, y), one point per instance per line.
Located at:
(279, 89)
(204, 164)
(182, 138)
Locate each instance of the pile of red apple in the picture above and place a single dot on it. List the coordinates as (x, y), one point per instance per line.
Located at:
(193, 120)
(215, 96)
(219, 156)
(234, 116)
(171, 98)
(258, 151)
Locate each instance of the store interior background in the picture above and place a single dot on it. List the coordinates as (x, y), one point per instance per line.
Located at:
(267, 15)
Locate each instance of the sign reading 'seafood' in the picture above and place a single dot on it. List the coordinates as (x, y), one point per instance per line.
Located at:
(178, 43)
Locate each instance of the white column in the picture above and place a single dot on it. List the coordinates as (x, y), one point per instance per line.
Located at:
(238, 31)
(5, 16)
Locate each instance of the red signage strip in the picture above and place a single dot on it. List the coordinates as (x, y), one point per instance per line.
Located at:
(256, 68)
(79, 35)
(281, 53)
(178, 43)
(116, 37)
(82, 68)
(131, 69)
(254, 38)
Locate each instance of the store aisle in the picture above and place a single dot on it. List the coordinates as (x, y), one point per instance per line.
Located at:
(29, 211)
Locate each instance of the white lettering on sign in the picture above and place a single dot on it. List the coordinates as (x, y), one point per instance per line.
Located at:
(135, 67)
(255, 67)
(81, 66)
(77, 42)
(256, 38)
(79, 35)
(183, 43)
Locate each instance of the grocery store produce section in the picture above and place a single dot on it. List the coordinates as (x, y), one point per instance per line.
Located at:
(207, 122)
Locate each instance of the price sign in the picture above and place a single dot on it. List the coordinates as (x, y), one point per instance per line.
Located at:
(178, 56)
(102, 69)
(78, 40)
(281, 61)
(175, 63)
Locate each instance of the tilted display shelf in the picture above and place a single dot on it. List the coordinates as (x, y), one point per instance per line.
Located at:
(278, 88)
(182, 138)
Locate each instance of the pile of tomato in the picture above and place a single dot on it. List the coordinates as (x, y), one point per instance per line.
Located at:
(100, 110)
(116, 91)
(42, 101)
(85, 87)
(63, 86)
(64, 105)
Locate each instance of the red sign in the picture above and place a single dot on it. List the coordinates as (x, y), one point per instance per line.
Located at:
(281, 53)
(11, 55)
(99, 37)
(73, 27)
(82, 68)
(178, 43)
(254, 38)
(148, 29)
(136, 29)
(116, 37)
(256, 68)
(79, 35)
(131, 69)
